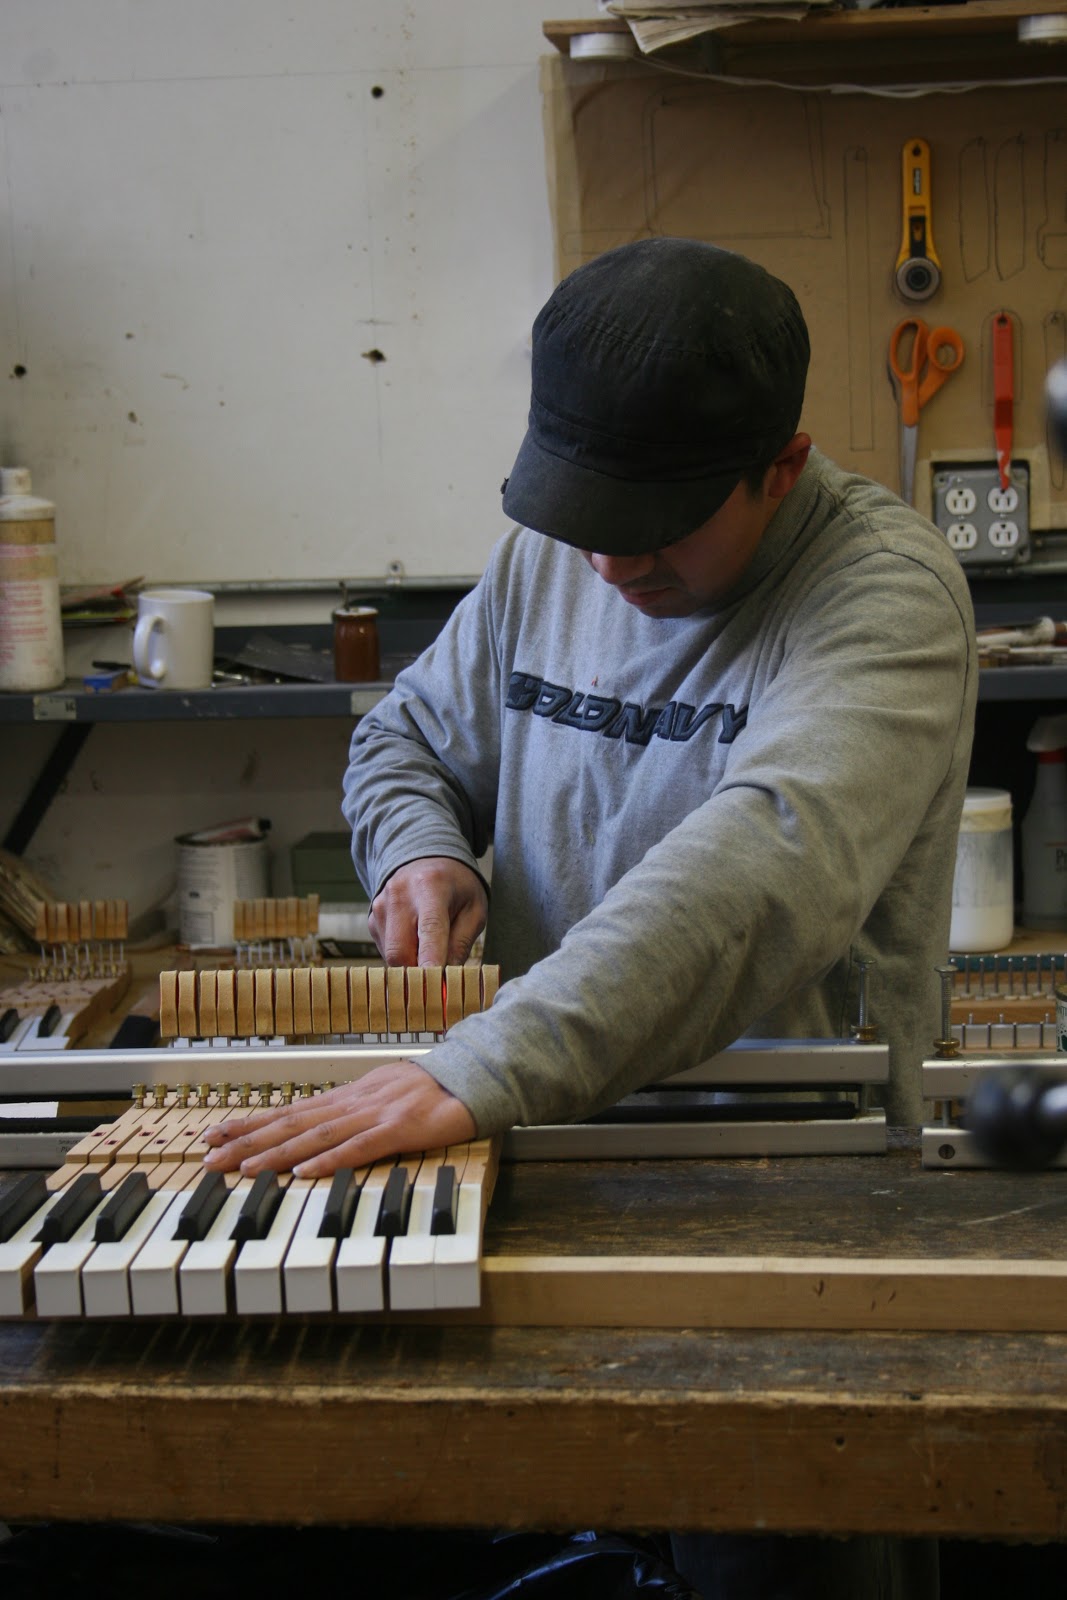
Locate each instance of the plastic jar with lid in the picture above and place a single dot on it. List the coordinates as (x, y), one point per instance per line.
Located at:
(983, 888)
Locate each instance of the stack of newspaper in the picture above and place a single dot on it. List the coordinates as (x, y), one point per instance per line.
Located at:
(656, 23)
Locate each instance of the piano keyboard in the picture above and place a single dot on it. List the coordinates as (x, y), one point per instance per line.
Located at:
(132, 1225)
(49, 1013)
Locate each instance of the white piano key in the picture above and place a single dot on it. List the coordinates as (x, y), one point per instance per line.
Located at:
(22, 1029)
(18, 1257)
(359, 1275)
(204, 1273)
(57, 1277)
(58, 1039)
(411, 1258)
(307, 1271)
(258, 1271)
(105, 1275)
(154, 1272)
(457, 1256)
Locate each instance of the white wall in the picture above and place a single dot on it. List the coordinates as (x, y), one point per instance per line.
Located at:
(211, 217)
(207, 218)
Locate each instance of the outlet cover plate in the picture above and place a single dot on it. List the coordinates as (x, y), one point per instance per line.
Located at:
(985, 525)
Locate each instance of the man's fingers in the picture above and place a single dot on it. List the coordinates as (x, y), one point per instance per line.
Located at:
(224, 1132)
(434, 939)
(429, 913)
(466, 928)
(290, 1138)
(314, 1152)
(396, 936)
(396, 1108)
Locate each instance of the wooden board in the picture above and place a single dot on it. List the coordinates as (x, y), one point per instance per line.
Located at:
(748, 1429)
(774, 1292)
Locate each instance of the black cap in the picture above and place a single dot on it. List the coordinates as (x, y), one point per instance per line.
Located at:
(662, 372)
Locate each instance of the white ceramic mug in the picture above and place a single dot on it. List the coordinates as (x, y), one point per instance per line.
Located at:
(174, 639)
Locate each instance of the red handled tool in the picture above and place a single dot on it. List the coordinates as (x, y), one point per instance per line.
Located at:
(1003, 392)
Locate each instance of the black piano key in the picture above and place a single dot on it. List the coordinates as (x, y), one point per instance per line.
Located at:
(49, 1022)
(136, 1033)
(257, 1212)
(122, 1208)
(18, 1203)
(8, 1024)
(396, 1203)
(445, 1201)
(340, 1205)
(202, 1207)
(71, 1210)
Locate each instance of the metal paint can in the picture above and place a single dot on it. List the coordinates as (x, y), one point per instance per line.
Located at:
(211, 876)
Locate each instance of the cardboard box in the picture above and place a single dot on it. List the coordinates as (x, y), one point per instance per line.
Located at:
(322, 865)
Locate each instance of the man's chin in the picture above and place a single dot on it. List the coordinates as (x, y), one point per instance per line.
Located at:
(660, 602)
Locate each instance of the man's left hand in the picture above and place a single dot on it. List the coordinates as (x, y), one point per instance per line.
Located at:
(396, 1108)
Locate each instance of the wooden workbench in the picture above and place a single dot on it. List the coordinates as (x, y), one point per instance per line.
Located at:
(327, 1422)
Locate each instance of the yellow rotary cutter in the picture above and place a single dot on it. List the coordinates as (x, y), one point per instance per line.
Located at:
(918, 270)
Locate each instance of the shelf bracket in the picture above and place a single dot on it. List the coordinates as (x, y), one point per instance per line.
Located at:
(46, 786)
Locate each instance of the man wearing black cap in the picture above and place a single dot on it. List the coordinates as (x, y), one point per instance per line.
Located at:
(716, 724)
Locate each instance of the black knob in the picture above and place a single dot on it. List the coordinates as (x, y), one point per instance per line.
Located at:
(1019, 1118)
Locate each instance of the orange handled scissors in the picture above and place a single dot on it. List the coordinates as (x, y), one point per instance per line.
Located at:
(935, 353)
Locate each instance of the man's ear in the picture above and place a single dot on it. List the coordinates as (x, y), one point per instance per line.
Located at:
(789, 463)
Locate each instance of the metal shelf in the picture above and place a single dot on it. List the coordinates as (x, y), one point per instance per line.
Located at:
(247, 702)
(222, 703)
(278, 695)
(1023, 683)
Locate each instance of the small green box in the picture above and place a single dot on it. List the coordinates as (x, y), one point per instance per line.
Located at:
(322, 865)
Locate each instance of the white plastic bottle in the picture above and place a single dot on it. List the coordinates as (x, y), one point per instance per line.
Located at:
(31, 626)
(983, 900)
(1044, 829)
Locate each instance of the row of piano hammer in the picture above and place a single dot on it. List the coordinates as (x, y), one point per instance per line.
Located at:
(298, 1002)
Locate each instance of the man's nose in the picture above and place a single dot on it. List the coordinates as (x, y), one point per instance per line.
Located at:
(621, 570)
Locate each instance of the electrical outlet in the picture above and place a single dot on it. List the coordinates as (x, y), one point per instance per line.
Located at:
(986, 524)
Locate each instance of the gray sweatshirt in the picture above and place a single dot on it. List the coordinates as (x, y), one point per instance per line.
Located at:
(699, 824)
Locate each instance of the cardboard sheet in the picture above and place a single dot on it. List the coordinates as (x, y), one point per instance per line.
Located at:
(808, 183)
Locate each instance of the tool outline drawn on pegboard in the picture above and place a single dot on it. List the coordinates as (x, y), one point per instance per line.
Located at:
(1009, 208)
(796, 167)
(856, 191)
(974, 218)
(1052, 240)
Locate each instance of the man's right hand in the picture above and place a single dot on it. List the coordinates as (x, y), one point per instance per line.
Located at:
(429, 913)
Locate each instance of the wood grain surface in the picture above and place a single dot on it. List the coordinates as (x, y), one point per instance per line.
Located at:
(327, 1422)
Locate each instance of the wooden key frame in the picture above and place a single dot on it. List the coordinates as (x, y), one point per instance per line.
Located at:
(302, 1002)
(82, 1000)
